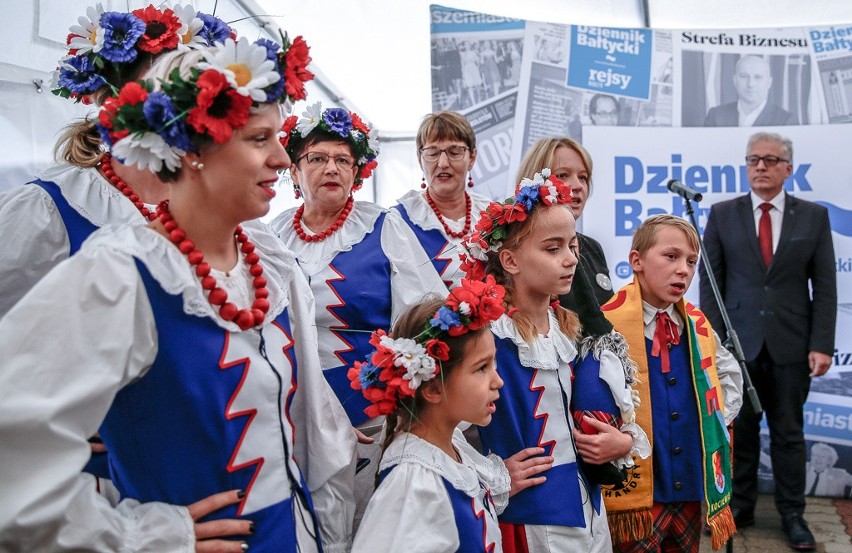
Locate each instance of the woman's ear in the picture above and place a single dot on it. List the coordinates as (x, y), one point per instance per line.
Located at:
(433, 391)
(509, 261)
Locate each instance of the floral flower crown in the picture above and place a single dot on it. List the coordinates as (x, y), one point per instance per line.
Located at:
(155, 128)
(102, 42)
(399, 366)
(351, 128)
(495, 220)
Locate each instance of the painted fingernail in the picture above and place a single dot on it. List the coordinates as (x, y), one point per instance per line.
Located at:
(251, 528)
(241, 494)
(244, 546)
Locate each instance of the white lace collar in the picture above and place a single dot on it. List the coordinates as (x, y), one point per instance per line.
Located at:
(421, 213)
(91, 195)
(172, 271)
(546, 352)
(315, 256)
(408, 448)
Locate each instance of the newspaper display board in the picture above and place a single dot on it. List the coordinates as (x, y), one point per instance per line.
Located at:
(657, 104)
(476, 63)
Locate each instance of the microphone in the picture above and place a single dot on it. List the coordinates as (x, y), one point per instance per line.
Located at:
(684, 191)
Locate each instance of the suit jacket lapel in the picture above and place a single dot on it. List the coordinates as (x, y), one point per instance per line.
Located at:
(746, 212)
(787, 224)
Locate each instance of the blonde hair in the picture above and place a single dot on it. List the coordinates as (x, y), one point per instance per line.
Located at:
(645, 236)
(540, 155)
(568, 321)
(80, 143)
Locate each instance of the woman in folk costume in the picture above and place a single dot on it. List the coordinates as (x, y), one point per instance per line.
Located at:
(529, 245)
(442, 214)
(190, 342)
(690, 389)
(47, 220)
(435, 370)
(364, 264)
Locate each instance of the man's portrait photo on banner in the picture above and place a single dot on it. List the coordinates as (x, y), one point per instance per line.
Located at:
(744, 89)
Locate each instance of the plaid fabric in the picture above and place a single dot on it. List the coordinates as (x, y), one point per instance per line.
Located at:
(602, 416)
(677, 529)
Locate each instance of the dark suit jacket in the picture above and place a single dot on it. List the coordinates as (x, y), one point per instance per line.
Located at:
(773, 306)
(593, 261)
(726, 115)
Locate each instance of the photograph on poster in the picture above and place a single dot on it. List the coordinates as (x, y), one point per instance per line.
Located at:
(836, 77)
(468, 72)
(744, 89)
(823, 475)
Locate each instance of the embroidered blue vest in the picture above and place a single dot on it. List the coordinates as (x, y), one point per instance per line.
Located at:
(677, 449)
(360, 281)
(78, 227)
(533, 412)
(211, 415)
(434, 243)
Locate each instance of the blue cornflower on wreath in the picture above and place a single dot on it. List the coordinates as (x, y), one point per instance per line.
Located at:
(121, 32)
(80, 75)
(161, 115)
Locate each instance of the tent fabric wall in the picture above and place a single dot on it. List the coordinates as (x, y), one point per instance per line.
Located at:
(371, 56)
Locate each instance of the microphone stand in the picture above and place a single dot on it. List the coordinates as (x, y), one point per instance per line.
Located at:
(732, 343)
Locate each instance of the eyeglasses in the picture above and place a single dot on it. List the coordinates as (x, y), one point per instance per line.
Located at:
(320, 159)
(454, 152)
(769, 161)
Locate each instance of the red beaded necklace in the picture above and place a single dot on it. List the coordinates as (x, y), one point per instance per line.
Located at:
(465, 230)
(244, 318)
(124, 188)
(297, 223)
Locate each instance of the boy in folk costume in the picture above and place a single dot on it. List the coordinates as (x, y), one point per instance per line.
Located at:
(689, 386)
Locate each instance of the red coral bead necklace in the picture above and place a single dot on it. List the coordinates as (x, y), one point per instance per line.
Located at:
(124, 188)
(466, 230)
(218, 297)
(297, 223)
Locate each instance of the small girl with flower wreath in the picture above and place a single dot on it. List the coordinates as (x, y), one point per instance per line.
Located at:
(435, 370)
(529, 245)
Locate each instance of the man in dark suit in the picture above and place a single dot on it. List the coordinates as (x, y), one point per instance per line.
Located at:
(752, 81)
(765, 250)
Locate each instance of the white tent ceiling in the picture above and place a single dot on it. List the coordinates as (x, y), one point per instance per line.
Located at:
(371, 56)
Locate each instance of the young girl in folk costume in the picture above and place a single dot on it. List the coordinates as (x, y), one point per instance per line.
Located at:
(529, 245)
(435, 370)
(189, 342)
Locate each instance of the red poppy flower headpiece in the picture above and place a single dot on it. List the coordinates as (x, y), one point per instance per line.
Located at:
(152, 125)
(398, 366)
(495, 220)
(102, 44)
(348, 125)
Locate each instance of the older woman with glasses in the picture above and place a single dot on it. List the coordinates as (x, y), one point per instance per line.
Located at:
(441, 214)
(364, 264)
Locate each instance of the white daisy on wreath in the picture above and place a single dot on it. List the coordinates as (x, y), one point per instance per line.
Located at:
(245, 65)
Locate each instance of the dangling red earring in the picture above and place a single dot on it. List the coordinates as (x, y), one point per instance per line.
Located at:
(469, 180)
(423, 182)
(297, 191)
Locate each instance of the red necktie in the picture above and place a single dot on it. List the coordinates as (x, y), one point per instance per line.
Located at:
(764, 234)
(665, 336)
